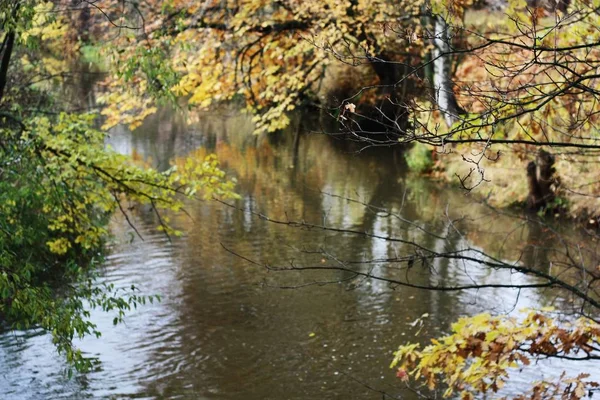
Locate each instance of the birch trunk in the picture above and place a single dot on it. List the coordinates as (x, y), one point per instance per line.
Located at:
(442, 69)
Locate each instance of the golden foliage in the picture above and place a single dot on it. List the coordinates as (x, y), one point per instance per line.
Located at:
(477, 357)
(269, 55)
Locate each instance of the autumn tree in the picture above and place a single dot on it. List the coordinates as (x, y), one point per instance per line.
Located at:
(59, 186)
(271, 56)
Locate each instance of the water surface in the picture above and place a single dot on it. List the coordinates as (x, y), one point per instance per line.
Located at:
(230, 329)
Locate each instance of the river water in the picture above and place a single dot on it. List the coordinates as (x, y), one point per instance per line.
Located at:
(230, 329)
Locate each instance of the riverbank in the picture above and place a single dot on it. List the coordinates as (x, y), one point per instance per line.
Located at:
(500, 178)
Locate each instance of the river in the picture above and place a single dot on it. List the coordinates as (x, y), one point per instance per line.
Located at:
(230, 329)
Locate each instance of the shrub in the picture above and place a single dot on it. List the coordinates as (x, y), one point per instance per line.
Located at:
(418, 158)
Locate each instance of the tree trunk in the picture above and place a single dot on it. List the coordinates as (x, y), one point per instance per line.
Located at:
(540, 178)
(442, 70)
(545, 174)
(8, 48)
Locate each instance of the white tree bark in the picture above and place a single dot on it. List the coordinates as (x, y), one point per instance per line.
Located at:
(442, 69)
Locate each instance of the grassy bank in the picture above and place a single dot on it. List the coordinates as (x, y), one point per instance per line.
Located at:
(500, 176)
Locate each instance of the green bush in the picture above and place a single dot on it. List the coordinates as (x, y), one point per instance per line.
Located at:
(58, 187)
(418, 158)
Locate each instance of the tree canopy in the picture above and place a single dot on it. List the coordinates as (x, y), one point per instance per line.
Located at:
(270, 55)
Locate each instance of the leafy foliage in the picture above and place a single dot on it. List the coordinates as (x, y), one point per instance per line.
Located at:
(59, 185)
(477, 357)
(270, 55)
(419, 158)
(524, 80)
